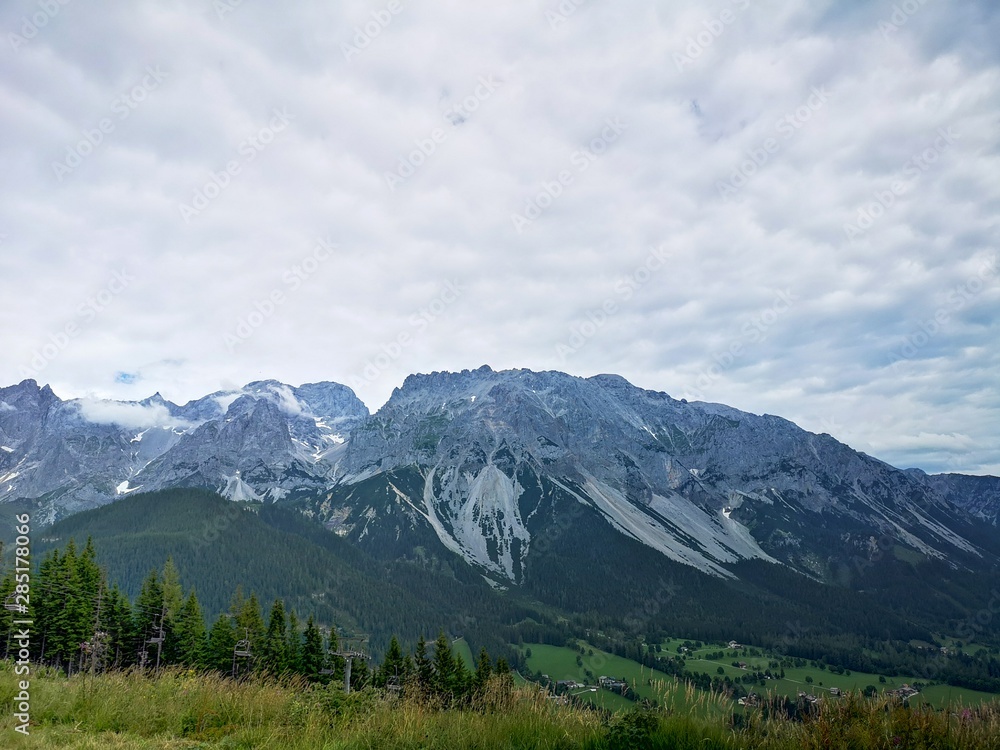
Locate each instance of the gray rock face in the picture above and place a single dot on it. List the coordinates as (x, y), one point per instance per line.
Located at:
(702, 483)
(979, 496)
(266, 440)
(489, 462)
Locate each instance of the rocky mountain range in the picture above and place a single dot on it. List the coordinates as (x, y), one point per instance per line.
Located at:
(493, 465)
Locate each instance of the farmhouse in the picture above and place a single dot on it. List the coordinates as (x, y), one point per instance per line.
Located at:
(904, 691)
(610, 683)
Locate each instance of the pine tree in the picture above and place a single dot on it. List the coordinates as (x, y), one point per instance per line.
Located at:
(71, 622)
(90, 574)
(461, 681)
(189, 633)
(221, 643)
(445, 669)
(77, 622)
(275, 649)
(484, 669)
(236, 602)
(7, 616)
(312, 651)
(422, 665)
(333, 662)
(293, 650)
(117, 622)
(393, 669)
(250, 626)
(173, 594)
(360, 674)
(149, 620)
(45, 604)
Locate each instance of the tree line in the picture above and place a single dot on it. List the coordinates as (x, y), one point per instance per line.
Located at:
(83, 623)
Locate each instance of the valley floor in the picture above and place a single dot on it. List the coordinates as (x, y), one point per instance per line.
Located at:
(182, 709)
(562, 663)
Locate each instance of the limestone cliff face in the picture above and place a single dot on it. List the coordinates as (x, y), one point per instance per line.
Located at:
(490, 463)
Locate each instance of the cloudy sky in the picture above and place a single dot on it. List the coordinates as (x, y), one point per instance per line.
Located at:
(790, 207)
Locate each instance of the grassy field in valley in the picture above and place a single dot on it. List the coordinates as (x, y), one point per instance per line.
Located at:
(181, 709)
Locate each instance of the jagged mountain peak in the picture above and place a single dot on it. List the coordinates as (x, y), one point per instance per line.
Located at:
(489, 462)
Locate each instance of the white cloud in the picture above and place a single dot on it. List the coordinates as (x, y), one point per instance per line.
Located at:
(286, 400)
(226, 400)
(241, 260)
(128, 415)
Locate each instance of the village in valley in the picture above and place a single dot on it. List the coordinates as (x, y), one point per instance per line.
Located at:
(732, 668)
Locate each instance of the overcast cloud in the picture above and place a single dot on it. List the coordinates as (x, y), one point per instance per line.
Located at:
(788, 207)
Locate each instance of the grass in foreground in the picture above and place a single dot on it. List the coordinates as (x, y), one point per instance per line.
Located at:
(184, 710)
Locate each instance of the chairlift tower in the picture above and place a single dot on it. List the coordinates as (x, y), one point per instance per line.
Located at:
(156, 640)
(349, 654)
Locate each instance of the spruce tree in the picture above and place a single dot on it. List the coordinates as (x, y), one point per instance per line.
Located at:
(189, 633)
(221, 643)
(71, 623)
(44, 601)
(149, 620)
(360, 674)
(393, 669)
(334, 663)
(173, 594)
(7, 616)
(117, 622)
(445, 668)
(484, 669)
(75, 616)
(312, 651)
(275, 649)
(293, 650)
(250, 625)
(91, 578)
(422, 666)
